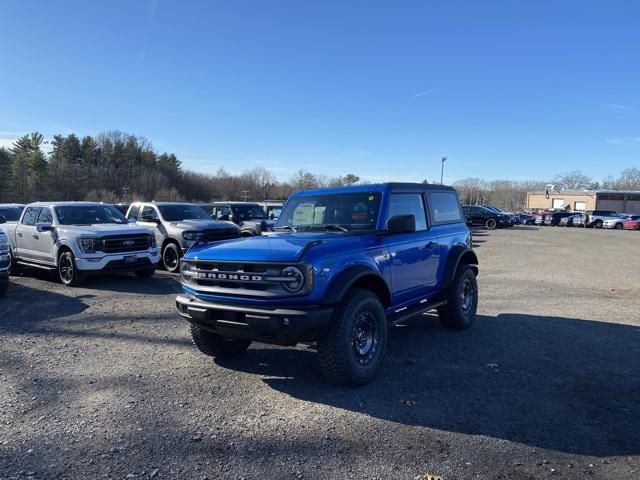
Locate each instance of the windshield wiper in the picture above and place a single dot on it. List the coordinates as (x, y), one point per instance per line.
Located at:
(286, 227)
(329, 226)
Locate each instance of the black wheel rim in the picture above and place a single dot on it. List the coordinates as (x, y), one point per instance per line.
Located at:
(365, 338)
(66, 269)
(170, 258)
(466, 296)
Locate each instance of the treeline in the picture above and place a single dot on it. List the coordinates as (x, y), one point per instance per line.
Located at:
(511, 195)
(118, 167)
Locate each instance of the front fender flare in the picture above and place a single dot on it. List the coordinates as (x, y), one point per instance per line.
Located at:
(348, 277)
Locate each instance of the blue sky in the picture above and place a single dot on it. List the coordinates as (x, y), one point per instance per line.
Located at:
(506, 89)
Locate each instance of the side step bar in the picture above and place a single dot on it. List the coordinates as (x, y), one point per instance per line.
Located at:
(414, 310)
(36, 265)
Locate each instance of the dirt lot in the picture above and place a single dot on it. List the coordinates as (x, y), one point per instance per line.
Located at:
(102, 382)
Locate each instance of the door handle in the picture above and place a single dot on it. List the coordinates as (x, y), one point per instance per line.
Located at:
(35, 236)
(431, 245)
(20, 235)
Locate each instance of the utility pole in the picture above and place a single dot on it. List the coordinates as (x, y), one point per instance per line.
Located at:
(444, 159)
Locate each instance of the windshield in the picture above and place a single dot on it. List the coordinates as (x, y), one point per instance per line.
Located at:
(351, 211)
(88, 215)
(248, 212)
(177, 213)
(11, 214)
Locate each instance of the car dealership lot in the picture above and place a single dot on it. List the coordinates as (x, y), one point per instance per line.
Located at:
(103, 382)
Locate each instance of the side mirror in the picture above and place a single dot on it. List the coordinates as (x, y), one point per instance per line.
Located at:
(402, 224)
(44, 227)
(3, 219)
(150, 220)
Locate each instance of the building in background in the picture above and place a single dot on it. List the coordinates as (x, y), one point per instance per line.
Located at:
(620, 201)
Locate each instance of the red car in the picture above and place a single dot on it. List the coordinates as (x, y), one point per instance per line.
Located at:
(632, 223)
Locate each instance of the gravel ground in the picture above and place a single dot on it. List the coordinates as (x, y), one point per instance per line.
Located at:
(103, 382)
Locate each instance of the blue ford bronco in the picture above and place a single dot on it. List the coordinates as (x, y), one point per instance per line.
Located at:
(342, 265)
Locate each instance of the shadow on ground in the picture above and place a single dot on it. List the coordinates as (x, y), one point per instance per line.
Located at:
(555, 383)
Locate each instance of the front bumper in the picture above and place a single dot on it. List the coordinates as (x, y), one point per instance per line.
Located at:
(282, 326)
(120, 261)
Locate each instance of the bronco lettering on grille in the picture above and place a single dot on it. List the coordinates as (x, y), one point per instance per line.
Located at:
(230, 276)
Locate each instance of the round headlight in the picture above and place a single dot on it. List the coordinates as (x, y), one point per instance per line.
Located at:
(294, 279)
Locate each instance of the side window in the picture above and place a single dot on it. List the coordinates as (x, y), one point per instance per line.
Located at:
(45, 216)
(149, 213)
(133, 212)
(30, 216)
(444, 207)
(408, 204)
(221, 211)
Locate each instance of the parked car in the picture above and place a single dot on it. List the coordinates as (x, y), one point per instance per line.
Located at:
(512, 218)
(5, 261)
(541, 219)
(80, 238)
(249, 217)
(11, 212)
(177, 227)
(345, 264)
(553, 219)
(568, 221)
(618, 223)
(596, 218)
(484, 217)
(633, 223)
(578, 221)
(526, 219)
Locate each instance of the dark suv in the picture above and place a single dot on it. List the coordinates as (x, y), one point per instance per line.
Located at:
(249, 217)
(485, 217)
(342, 266)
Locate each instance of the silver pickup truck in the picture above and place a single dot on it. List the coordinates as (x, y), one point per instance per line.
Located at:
(177, 226)
(80, 238)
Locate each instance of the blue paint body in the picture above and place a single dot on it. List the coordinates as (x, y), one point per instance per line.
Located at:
(412, 265)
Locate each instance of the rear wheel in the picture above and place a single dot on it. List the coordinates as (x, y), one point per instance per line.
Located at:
(68, 271)
(490, 224)
(462, 300)
(351, 348)
(215, 345)
(171, 257)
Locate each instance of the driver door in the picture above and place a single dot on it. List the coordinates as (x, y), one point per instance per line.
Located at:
(25, 233)
(150, 218)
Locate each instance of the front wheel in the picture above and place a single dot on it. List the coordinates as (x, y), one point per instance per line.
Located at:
(462, 300)
(171, 257)
(351, 348)
(490, 224)
(215, 345)
(598, 224)
(68, 271)
(619, 226)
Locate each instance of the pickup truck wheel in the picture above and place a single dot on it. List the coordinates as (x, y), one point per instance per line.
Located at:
(146, 273)
(215, 345)
(67, 270)
(490, 224)
(598, 224)
(462, 300)
(171, 257)
(351, 348)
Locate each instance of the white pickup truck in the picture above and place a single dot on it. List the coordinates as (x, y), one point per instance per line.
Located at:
(80, 238)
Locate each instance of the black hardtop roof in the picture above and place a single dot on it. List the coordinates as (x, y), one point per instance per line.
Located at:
(412, 187)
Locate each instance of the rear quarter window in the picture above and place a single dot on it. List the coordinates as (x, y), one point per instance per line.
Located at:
(444, 207)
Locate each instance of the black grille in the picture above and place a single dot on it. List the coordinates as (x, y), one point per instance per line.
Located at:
(126, 243)
(220, 234)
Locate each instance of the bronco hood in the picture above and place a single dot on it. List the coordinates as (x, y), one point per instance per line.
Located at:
(285, 247)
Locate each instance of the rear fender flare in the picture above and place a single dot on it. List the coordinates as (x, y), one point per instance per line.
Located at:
(459, 255)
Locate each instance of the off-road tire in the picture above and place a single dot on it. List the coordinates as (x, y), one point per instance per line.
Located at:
(491, 224)
(454, 315)
(170, 250)
(146, 273)
(340, 347)
(217, 346)
(68, 272)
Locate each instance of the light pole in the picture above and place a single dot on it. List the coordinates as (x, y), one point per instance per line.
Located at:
(444, 159)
